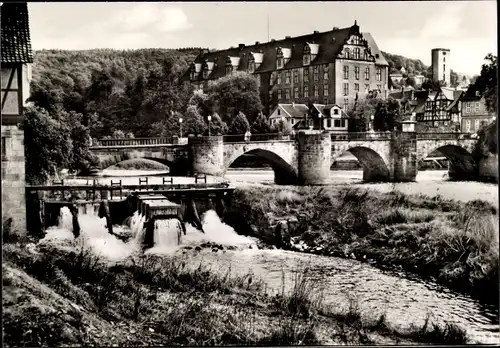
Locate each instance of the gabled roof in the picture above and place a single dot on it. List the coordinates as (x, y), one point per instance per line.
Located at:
(293, 110)
(325, 110)
(328, 44)
(15, 34)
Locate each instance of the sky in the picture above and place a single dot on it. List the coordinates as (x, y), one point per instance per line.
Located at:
(411, 29)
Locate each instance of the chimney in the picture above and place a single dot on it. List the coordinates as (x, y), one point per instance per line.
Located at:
(335, 28)
(288, 37)
(240, 46)
(257, 43)
(316, 32)
(273, 40)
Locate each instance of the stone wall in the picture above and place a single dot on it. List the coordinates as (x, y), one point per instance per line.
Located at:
(314, 158)
(13, 178)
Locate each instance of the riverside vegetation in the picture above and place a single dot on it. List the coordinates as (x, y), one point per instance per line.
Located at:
(453, 242)
(63, 293)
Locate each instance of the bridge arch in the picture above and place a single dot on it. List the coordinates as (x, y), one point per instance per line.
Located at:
(462, 165)
(375, 164)
(284, 172)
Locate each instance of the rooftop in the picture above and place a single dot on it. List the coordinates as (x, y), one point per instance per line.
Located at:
(15, 36)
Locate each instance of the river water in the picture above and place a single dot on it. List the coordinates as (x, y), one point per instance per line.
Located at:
(403, 298)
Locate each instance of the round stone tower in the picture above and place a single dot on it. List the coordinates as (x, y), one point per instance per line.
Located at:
(207, 154)
(315, 152)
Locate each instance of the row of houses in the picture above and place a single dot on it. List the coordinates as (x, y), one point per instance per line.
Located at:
(444, 110)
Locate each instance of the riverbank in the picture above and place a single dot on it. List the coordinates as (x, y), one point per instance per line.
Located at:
(453, 242)
(63, 293)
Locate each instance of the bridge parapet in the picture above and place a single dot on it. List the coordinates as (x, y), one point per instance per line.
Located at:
(240, 138)
(444, 136)
(361, 136)
(135, 141)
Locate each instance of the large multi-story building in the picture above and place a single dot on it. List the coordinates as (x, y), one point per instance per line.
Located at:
(333, 67)
(441, 65)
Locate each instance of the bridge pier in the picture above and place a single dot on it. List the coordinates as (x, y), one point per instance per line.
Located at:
(207, 155)
(404, 157)
(314, 157)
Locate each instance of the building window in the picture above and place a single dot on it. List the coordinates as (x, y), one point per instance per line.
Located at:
(296, 92)
(270, 95)
(287, 93)
(476, 125)
(357, 53)
(316, 73)
(325, 72)
(467, 108)
(336, 111)
(346, 89)
(205, 74)
(229, 70)
(444, 67)
(251, 67)
(356, 72)
(346, 104)
(367, 88)
(379, 87)
(306, 75)
(367, 73)
(467, 126)
(347, 53)
(444, 59)
(329, 123)
(336, 123)
(279, 94)
(316, 90)
(296, 76)
(279, 78)
(287, 77)
(307, 59)
(379, 74)
(477, 106)
(325, 89)
(279, 112)
(306, 91)
(279, 63)
(346, 71)
(342, 123)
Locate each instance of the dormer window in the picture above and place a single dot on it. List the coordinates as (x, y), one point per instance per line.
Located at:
(347, 53)
(279, 63)
(306, 59)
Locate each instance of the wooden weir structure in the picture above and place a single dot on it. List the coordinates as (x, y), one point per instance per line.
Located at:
(154, 202)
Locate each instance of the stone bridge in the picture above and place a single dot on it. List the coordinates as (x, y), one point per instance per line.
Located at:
(307, 158)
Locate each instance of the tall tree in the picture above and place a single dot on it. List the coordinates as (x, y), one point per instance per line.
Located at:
(240, 124)
(387, 115)
(486, 82)
(236, 93)
(261, 125)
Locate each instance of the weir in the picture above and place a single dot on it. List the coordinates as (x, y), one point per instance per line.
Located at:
(153, 204)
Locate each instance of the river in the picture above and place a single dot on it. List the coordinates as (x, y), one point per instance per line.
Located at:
(405, 299)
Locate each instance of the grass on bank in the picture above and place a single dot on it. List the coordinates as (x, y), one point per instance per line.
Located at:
(454, 242)
(57, 296)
